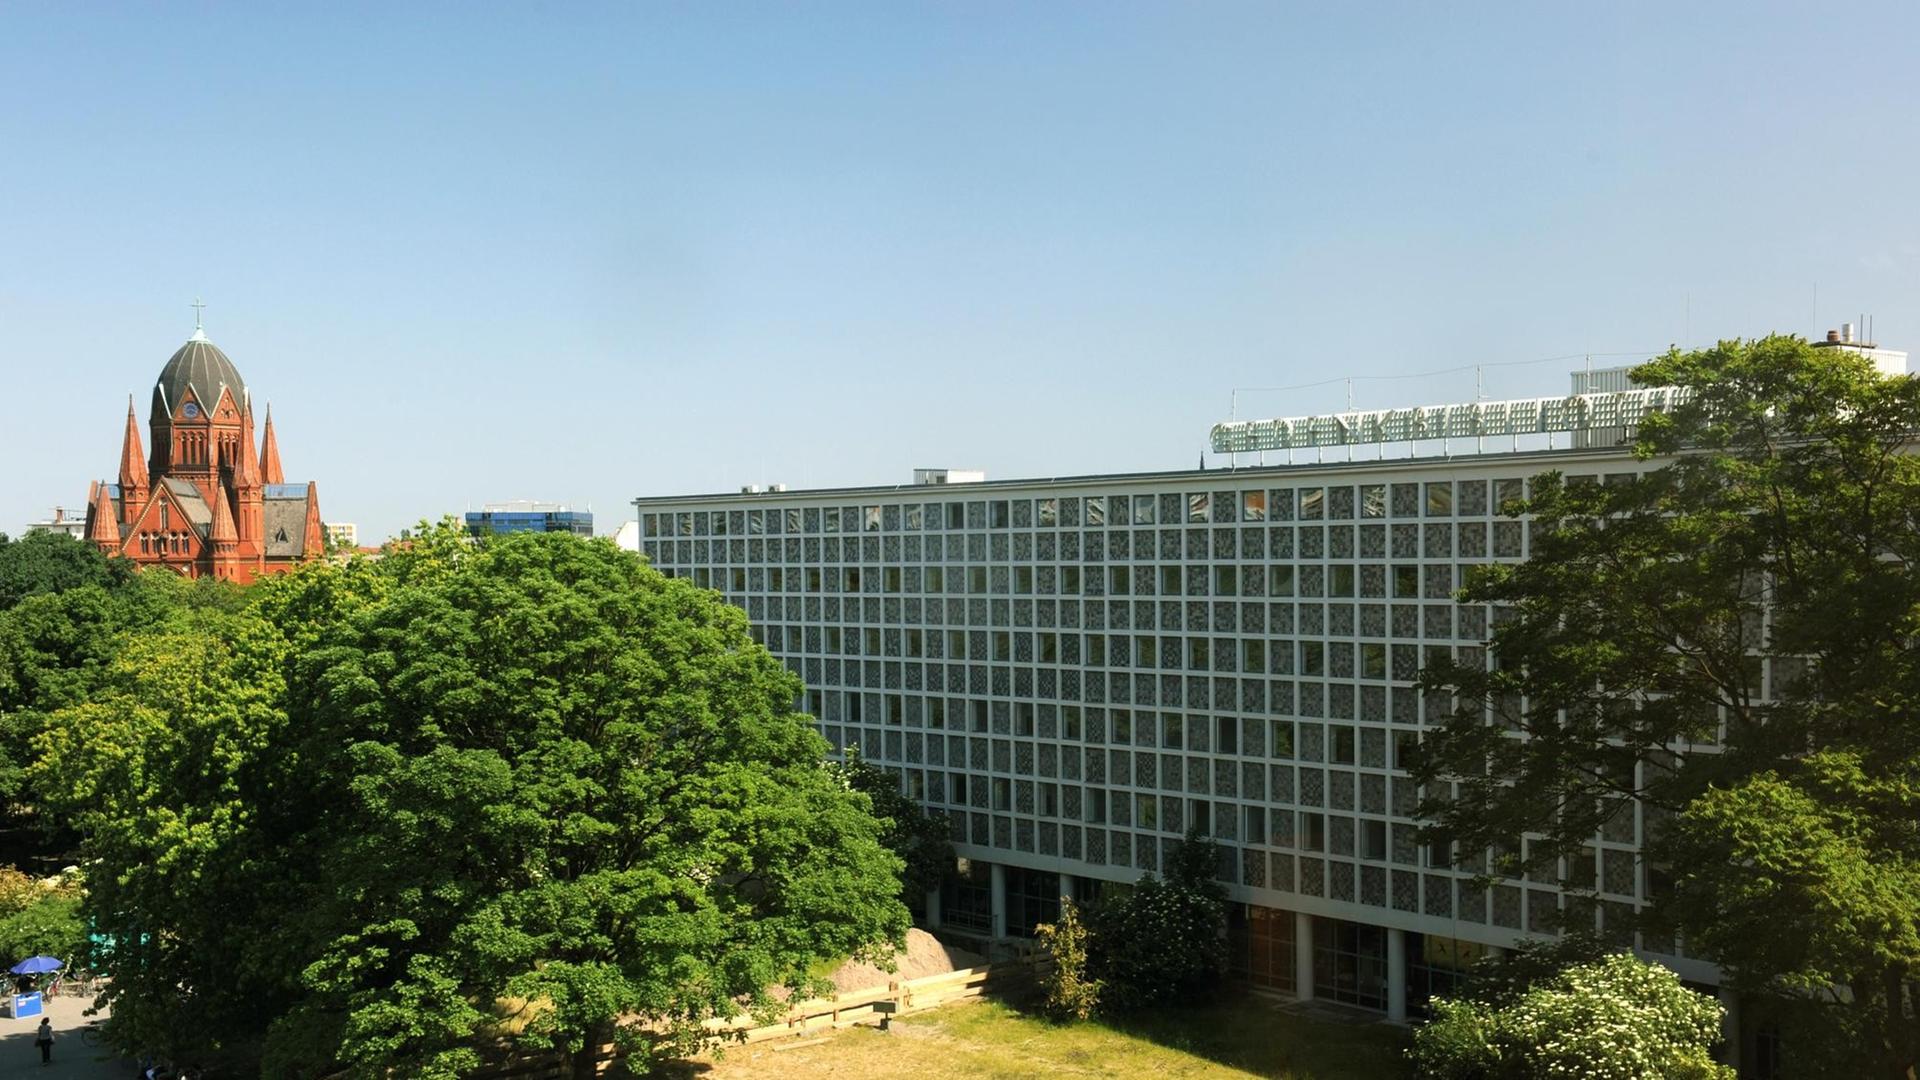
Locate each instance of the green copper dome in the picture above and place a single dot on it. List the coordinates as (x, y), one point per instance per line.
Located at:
(201, 367)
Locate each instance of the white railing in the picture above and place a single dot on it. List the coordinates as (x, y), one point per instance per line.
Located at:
(1479, 419)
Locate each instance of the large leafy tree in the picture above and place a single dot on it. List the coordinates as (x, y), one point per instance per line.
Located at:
(50, 562)
(529, 791)
(65, 609)
(1727, 642)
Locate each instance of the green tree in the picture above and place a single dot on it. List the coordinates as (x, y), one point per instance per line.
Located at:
(50, 926)
(49, 562)
(1165, 939)
(529, 791)
(1767, 546)
(65, 611)
(922, 840)
(1616, 1018)
(1067, 993)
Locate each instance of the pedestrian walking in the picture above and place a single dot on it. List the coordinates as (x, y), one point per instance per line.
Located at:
(44, 1040)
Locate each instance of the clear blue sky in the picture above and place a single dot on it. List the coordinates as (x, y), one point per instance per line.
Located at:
(480, 252)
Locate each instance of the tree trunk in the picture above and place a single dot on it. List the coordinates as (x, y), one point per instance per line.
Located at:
(586, 1062)
(1898, 1038)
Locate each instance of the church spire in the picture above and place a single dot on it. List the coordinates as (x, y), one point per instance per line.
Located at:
(103, 528)
(248, 474)
(133, 464)
(270, 454)
(222, 531)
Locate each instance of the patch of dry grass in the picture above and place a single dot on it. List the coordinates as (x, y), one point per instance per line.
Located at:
(1235, 1039)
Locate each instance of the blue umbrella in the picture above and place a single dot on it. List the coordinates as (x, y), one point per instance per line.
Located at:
(36, 965)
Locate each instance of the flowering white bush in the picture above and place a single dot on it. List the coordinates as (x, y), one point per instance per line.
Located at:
(1618, 1018)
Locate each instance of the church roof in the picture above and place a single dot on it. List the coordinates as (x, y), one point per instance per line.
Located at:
(286, 525)
(199, 514)
(201, 366)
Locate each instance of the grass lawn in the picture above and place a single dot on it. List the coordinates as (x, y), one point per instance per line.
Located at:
(1239, 1038)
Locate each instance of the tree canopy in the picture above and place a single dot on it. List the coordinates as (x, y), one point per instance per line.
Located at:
(1723, 644)
(527, 791)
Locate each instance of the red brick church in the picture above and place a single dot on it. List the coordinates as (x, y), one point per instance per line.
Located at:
(204, 504)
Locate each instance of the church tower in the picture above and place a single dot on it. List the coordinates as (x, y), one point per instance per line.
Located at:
(203, 501)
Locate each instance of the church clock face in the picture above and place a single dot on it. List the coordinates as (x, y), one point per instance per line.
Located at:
(190, 410)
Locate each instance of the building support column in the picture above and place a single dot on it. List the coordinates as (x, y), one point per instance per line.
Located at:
(1396, 976)
(933, 909)
(1303, 956)
(1730, 1028)
(1067, 891)
(998, 890)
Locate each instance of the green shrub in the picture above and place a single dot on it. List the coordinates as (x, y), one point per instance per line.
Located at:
(1067, 993)
(1617, 1018)
(1165, 939)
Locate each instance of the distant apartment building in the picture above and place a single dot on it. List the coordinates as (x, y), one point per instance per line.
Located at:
(342, 534)
(527, 516)
(62, 522)
(1079, 670)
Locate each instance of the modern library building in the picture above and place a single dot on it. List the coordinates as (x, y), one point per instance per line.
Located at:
(1079, 670)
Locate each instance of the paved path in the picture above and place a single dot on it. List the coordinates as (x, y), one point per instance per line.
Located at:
(72, 1058)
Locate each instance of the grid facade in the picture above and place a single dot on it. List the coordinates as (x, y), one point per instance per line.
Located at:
(1079, 671)
(483, 522)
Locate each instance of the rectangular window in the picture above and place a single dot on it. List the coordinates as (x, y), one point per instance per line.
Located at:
(1280, 738)
(1339, 744)
(1049, 513)
(1226, 580)
(1197, 505)
(1313, 658)
(1373, 660)
(1313, 503)
(1143, 510)
(1373, 840)
(1253, 506)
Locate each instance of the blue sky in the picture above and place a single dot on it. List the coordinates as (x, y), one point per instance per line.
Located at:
(583, 253)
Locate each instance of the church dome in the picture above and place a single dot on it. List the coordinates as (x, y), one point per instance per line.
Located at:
(199, 366)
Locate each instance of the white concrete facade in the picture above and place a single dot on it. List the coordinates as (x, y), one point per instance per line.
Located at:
(1076, 670)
